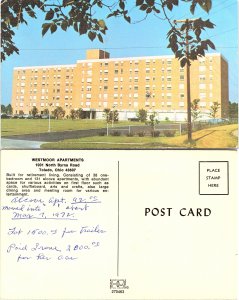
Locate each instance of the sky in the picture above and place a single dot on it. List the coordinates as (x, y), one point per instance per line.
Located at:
(143, 38)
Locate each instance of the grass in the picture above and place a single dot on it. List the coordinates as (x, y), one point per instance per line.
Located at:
(10, 127)
(215, 137)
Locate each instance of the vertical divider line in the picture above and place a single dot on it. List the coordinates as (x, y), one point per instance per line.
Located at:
(118, 241)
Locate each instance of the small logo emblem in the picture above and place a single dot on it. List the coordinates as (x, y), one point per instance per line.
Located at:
(118, 285)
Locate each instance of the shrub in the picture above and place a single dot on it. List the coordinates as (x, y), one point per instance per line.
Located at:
(116, 133)
(102, 133)
(169, 133)
(141, 133)
(155, 133)
(130, 134)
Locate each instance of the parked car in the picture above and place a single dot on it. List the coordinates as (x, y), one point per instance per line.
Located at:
(27, 116)
(5, 116)
(44, 116)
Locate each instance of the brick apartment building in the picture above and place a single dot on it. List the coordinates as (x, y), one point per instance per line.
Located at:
(155, 83)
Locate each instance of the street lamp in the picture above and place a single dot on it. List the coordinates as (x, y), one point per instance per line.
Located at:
(49, 118)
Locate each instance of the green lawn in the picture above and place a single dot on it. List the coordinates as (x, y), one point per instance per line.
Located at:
(215, 137)
(21, 126)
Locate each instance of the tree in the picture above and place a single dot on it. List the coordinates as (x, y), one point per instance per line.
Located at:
(6, 109)
(73, 114)
(3, 108)
(9, 109)
(214, 108)
(83, 17)
(58, 113)
(76, 113)
(195, 109)
(46, 112)
(106, 115)
(34, 111)
(233, 110)
(110, 115)
(142, 115)
(152, 122)
(114, 115)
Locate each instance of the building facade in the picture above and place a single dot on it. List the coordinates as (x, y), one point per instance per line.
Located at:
(157, 84)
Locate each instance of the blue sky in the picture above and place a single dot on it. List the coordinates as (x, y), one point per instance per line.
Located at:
(144, 38)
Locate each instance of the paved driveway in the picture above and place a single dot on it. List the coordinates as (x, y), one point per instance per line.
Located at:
(33, 141)
(19, 144)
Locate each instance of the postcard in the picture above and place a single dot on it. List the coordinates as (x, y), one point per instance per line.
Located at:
(119, 150)
(109, 225)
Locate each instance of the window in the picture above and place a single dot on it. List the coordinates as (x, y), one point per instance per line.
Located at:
(169, 95)
(181, 104)
(181, 96)
(202, 95)
(202, 77)
(202, 68)
(181, 77)
(202, 86)
(181, 86)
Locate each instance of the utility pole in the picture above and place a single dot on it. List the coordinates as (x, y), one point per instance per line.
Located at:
(189, 122)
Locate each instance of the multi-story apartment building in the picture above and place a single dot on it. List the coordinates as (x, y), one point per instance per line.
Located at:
(155, 83)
